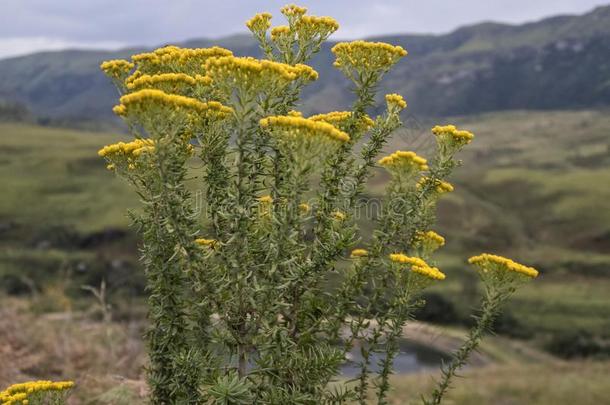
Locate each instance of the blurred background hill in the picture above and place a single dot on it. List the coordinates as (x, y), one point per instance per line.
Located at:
(556, 63)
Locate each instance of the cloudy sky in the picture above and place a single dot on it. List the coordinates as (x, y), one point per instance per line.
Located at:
(32, 25)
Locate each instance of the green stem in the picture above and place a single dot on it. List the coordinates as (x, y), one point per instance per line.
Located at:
(489, 310)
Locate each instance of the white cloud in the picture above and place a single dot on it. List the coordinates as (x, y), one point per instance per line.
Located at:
(18, 46)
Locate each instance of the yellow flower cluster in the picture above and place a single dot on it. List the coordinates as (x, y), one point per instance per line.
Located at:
(296, 127)
(291, 10)
(338, 215)
(309, 25)
(117, 68)
(167, 81)
(280, 32)
(418, 266)
(304, 208)
(212, 243)
(366, 57)
(294, 113)
(333, 117)
(404, 160)
(150, 97)
(259, 23)
(129, 149)
(359, 253)
(126, 154)
(452, 135)
(404, 259)
(119, 110)
(430, 237)
(133, 77)
(487, 262)
(341, 118)
(441, 187)
(19, 393)
(266, 199)
(175, 59)
(246, 70)
(395, 101)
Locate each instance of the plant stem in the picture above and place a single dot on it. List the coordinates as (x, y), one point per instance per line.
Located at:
(489, 310)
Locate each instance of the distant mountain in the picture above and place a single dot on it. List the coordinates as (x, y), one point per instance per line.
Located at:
(556, 63)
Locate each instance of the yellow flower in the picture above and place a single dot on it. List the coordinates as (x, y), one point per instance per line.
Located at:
(341, 119)
(428, 241)
(444, 187)
(430, 237)
(173, 59)
(309, 27)
(280, 32)
(431, 272)
(450, 138)
(259, 23)
(15, 399)
(404, 259)
(134, 148)
(123, 155)
(135, 75)
(291, 10)
(440, 186)
(289, 127)
(117, 68)
(395, 102)
(304, 208)
(492, 263)
(404, 161)
(294, 113)
(19, 393)
(266, 199)
(338, 215)
(169, 82)
(119, 110)
(212, 243)
(141, 101)
(305, 72)
(248, 73)
(418, 266)
(359, 253)
(366, 57)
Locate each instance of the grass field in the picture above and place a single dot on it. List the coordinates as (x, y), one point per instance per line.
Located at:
(54, 176)
(539, 384)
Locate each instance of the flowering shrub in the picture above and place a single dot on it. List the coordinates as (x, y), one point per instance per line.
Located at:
(260, 298)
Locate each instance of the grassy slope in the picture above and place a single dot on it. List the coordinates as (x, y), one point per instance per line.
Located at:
(52, 176)
(53, 185)
(546, 176)
(542, 384)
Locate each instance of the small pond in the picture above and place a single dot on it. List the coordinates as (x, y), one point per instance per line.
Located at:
(413, 357)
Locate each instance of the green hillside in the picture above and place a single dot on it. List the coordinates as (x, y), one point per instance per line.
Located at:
(557, 63)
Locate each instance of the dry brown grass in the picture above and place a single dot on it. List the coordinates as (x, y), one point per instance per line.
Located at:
(107, 359)
(103, 358)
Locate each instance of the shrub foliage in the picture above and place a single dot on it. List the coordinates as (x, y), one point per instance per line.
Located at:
(259, 296)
